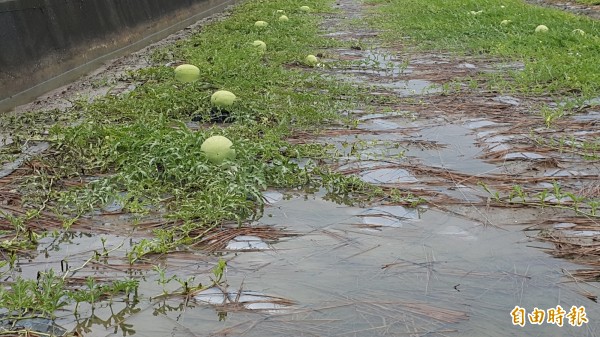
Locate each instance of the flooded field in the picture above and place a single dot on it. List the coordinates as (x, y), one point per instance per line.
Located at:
(382, 270)
(488, 206)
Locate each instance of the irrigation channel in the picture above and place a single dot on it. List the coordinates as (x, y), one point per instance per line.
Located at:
(456, 265)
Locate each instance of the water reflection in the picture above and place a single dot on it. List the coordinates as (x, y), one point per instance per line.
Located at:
(115, 320)
(226, 300)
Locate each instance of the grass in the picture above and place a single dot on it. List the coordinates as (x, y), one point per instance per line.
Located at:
(556, 63)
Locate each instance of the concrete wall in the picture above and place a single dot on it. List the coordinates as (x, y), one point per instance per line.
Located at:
(43, 39)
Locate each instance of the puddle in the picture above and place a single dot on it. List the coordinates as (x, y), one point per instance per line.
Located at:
(27, 153)
(462, 193)
(272, 197)
(247, 242)
(359, 282)
(389, 216)
(385, 79)
(255, 301)
(591, 116)
(412, 87)
(493, 140)
(498, 147)
(70, 250)
(496, 143)
(459, 153)
(364, 164)
(388, 151)
(379, 124)
(387, 176)
(477, 124)
(386, 123)
(379, 116)
(251, 300)
(457, 232)
(422, 269)
(211, 295)
(369, 147)
(524, 156)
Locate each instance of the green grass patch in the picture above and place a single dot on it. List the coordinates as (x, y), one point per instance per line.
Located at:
(556, 62)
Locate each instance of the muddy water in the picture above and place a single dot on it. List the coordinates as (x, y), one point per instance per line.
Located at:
(425, 273)
(460, 152)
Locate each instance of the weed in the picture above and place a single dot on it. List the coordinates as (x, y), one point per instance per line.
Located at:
(219, 271)
(49, 292)
(396, 196)
(554, 197)
(495, 194)
(550, 115)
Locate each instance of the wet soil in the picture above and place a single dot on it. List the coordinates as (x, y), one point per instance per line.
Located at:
(455, 266)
